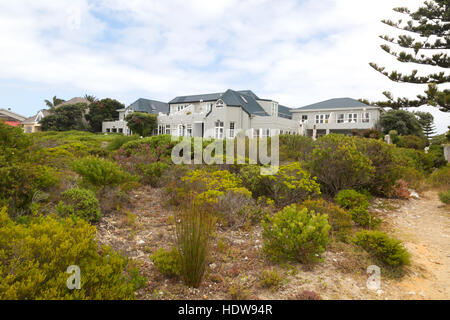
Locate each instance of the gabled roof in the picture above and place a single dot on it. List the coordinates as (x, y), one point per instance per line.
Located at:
(208, 97)
(337, 103)
(32, 119)
(74, 101)
(245, 100)
(149, 106)
(284, 112)
(11, 114)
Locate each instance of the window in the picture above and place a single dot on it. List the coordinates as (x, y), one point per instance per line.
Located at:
(167, 128)
(120, 130)
(231, 134)
(352, 117)
(274, 108)
(108, 130)
(322, 118)
(219, 103)
(180, 130)
(366, 117)
(340, 118)
(160, 129)
(304, 118)
(218, 130)
(189, 130)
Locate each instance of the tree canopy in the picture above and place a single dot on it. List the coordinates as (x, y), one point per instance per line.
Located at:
(102, 110)
(427, 30)
(426, 121)
(141, 123)
(404, 122)
(64, 118)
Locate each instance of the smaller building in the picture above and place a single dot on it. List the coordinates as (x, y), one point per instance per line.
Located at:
(140, 105)
(11, 118)
(32, 124)
(341, 115)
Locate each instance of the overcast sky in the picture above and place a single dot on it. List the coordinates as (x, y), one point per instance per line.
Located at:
(295, 52)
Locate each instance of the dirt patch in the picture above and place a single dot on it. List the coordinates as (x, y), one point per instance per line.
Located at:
(237, 260)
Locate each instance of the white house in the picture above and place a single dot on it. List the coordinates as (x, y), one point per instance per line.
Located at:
(341, 115)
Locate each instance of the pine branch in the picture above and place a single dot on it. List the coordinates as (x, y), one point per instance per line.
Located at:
(436, 60)
(412, 78)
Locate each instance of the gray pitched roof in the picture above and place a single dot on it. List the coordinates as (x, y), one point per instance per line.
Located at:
(149, 106)
(208, 97)
(74, 101)
(12, 114)
(334, 104)
(284, 112)
(246, 101)
(242, 98)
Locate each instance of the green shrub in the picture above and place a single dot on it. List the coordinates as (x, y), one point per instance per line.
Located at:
(14, 144)
(383, 159)
(412, 142)
(339, 219)
(270, 279)
(361, 216)
(252, 179)
(100, 172)
(295, 234)
(357, 204)
(163, 142)
(193, 229)
(379, 244)
(152, 172)
(167, 261)
(338, 164)
(40, 252)
(295, 147)
(372, 134)
(441, 178)
(291, 183)
(120, 140)
(349, 199)
(445, 196)
(80, 203)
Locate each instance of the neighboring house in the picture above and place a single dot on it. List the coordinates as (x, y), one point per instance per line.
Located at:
(11, 118)
(32, 124)
(342, 115)
(223, 115)
(140, 105)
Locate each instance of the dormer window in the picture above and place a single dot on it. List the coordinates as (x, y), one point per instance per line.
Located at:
(219, 103)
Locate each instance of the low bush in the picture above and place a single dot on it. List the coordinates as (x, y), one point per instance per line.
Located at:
(445, 196)
(295, 234)
(372, 134)
(152, 172)
(357, 204)
(80, 203)
(401, 190)
(270, 279)
(349, 199)
(308, 295)
(101, 172)
(167, 261)
(441, 178)
(412, 142)
(295, 147)
(120, 140)
(291, 184)
(339, 219)
(338, 164)
(384, 248)
(40, 253)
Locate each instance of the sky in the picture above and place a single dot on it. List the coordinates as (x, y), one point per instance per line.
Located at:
(295, 52)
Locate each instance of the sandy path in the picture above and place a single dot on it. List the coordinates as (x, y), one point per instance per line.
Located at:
(424, 226)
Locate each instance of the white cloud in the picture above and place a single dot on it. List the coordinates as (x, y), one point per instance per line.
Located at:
(297, 52)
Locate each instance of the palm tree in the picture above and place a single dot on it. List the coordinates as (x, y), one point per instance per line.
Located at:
(90, 98)
(56, 101)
